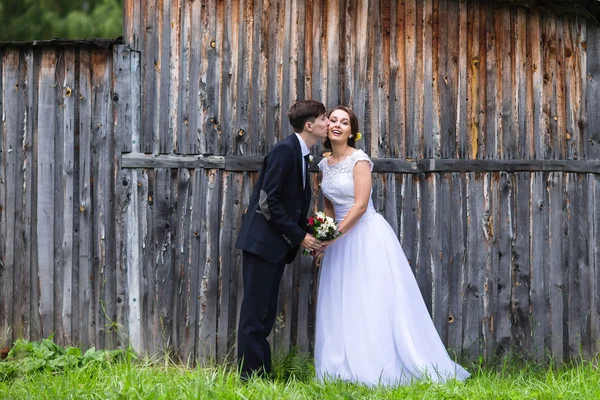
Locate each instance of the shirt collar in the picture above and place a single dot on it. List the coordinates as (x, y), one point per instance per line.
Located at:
(303, 147)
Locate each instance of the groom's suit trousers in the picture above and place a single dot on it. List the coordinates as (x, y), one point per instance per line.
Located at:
(258, 313)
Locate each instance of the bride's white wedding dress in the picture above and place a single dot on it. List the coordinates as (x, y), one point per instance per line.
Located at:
(372, 324)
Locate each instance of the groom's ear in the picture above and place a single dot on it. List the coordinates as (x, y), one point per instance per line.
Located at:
(308, 126)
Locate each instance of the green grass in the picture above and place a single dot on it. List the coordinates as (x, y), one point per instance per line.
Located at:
(36, 374)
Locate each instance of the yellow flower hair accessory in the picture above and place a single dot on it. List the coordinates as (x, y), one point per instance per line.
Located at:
(358, 136)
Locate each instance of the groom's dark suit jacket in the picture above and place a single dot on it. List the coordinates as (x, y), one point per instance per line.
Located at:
(276, 219)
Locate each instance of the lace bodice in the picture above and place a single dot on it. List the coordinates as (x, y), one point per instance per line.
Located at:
(338, 182)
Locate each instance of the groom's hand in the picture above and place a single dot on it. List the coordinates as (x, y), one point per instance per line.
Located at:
(311, 243)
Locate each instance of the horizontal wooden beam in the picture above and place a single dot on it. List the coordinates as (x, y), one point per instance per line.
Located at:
(396, 165)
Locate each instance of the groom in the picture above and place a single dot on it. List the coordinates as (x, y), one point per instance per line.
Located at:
(273, 228)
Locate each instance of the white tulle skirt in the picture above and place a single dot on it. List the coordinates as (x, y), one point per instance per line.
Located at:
(373, 326)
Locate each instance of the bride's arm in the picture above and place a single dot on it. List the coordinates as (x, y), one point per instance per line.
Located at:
(362, 193)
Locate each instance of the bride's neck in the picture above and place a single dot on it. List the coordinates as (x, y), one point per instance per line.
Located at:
(339, 151)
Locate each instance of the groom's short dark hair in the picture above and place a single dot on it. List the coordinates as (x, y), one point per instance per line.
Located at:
(303, 111)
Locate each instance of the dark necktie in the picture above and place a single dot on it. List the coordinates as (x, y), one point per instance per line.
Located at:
(306, 161)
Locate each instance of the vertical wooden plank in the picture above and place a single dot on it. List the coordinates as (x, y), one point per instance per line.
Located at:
(149, 77)
(25, 206)
(108, 172)
(462, 103)
(188, 294)
(243, 67)
(490, 278)
(228, 78)
(248, 181)
(494, 67)
(59, 138)
(572, 87)
(521, 264)
(146, 189)
(381, 82)
(482, 84)
(75, 92)
(431, 135)
(504, 211)
(539, 278)
(510, 82)
(257, 119)
(235, 282)
(580, 84)
(12, 127)
(520, 85)
(370, 112)
(556, 281)
(412, 138)
(209, 124)
(307, 23)
(181, 259)
(305, 324)
(535, 111)
(476, 265)
(425, 267)
(132, 23)
(575, 285)
(162, 113)
(419, 79)
(298, 70)
(552, 140)
(178, 71)
(45, 191)
(359, 60)
(190, 71)
(457, 263)
(280, 338)
(86, 318)
(121, 97)
(226, 238)
(126, 130)
(206, 314)
(165, 200)
(442, 246)
(446, 35)
(67, 171)
(3, 188)
(397, 81)
(333, 17)
(592, 91)
(270, 78)
(594, 256)
(133, 243)
(560, 117)
(472, 76)
(103, 269)
(583, 264)
(392, 198)
(409, 220)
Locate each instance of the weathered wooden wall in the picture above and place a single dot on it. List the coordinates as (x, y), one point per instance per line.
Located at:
(57, 193)
(482, 121)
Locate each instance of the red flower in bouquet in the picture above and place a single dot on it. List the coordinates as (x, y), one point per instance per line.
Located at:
(324, 228)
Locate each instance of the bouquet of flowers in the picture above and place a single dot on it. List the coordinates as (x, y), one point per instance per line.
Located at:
(324, 228)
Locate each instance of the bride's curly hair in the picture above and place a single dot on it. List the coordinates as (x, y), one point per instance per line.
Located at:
(353, 127)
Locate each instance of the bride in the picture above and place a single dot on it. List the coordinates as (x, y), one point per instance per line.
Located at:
(372, 324)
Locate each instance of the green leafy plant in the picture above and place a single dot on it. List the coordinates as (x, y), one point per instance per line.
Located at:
(26, 357)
